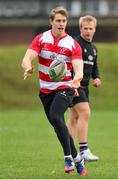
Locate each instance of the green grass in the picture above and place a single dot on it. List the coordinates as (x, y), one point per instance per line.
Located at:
(29, 148)
(105, 96)
(15, 92)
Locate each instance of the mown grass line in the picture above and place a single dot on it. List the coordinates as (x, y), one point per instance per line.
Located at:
(29, 148)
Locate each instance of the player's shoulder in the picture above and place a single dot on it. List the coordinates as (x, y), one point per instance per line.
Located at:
(78, 39)
(42, 36)
(71, 40)
(69, 37)
(94, 46)
(38, 37)
(45, 33)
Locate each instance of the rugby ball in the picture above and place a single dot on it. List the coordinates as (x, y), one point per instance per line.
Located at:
(57, 70)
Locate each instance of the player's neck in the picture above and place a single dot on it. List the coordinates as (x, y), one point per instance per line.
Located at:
(58, 35)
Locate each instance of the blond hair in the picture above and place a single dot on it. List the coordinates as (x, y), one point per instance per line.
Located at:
(60, 10)
(87, 18)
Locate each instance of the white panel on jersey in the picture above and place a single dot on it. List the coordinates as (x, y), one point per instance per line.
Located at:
(54, 85)
(43, 69)
(67, 42)
(51, 55)
(47, 37)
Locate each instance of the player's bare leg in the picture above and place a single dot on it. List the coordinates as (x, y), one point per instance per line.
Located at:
(72, 122)
(78, 127)
(83, 112)
(78, 121)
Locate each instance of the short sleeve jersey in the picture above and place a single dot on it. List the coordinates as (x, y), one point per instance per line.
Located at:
(49, 49)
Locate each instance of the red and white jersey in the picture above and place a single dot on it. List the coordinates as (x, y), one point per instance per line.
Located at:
(49, 48)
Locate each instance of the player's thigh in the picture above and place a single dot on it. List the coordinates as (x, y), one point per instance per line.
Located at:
(47, 100)
(73, 114)
(61, 101)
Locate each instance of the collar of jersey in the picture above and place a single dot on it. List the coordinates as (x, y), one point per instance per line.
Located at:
(60, 37)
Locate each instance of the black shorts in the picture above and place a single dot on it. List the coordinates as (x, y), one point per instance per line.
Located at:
(83, 96)
(57, 98)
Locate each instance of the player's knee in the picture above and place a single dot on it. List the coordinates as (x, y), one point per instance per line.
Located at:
(72, 121)
(73, 118)
(85, 114)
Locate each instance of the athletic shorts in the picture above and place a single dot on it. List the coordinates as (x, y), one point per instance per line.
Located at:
(63, 96)
(83, 96)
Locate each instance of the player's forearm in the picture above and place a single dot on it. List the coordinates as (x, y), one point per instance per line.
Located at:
(78, 69)
(78, 75)
(27, 61)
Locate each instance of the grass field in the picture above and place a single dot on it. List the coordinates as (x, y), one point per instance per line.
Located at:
(29, 148)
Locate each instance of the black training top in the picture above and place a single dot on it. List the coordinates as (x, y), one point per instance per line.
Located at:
(89, 54)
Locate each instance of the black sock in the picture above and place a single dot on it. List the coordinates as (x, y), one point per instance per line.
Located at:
(83, 146)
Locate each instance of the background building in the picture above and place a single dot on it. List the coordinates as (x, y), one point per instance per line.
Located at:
(20, 20)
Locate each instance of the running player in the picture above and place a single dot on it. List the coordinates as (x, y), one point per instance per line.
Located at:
(80, 113)
(57, 96)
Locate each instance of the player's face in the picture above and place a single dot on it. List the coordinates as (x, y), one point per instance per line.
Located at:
(59, 25)
(87, 30)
